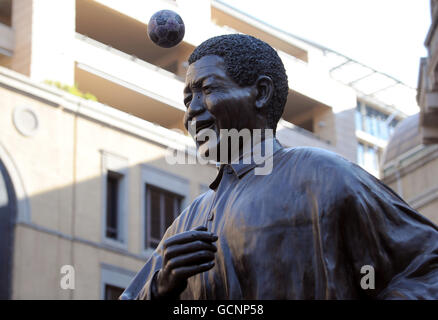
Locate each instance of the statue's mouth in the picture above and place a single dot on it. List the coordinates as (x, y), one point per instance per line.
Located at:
(203, 124)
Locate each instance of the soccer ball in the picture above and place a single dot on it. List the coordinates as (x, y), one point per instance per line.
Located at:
(166, 28)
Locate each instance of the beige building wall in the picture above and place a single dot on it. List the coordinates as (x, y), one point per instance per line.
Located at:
(60, 165)
(413, 177)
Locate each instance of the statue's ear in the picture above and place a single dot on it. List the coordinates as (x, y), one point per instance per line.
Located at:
(265, 91)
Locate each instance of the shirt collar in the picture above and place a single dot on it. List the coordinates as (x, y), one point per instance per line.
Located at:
(246, 162)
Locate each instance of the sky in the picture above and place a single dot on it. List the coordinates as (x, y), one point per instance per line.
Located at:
(387, 35)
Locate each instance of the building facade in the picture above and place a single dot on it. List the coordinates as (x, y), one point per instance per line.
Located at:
(410, 164)
(86, 187)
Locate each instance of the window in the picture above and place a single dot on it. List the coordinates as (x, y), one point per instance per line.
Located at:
(161, 209)
(114, 280)
(374, 122)
(371, 158)
(165, 195)
(368, 158)
(360, 154)
(112, 292)
(112, 204)
(114, 199)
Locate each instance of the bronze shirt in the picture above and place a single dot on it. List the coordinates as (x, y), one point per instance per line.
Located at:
(304, 232)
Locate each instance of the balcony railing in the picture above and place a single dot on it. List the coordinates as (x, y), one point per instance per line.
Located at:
(128, 70)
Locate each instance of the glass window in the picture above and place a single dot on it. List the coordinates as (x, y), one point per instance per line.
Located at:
(373, 122)
(358, 118)
(368, 157)
(383, 129)
(360, 154)
(162, 207)
(371, 159)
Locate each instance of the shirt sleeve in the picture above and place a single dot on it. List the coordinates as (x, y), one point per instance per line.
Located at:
(141, 287)
(382, 231)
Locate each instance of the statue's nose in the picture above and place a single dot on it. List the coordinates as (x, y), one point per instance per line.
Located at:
(196, 106)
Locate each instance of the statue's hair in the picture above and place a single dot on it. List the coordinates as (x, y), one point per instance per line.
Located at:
(246, 58)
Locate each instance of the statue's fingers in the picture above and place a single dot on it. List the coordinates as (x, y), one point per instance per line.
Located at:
(188, 247)
(189, 236)
(190, 259)
(186, 272)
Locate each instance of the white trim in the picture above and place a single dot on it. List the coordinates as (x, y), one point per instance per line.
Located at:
(164, 180)
(23, 206)
(370, 139)
(120, 165)
(131, 86)
(114, 276)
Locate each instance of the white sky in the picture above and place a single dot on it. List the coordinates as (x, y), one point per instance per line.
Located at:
(387, 35)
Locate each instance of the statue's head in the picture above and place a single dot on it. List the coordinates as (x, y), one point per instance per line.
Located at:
(233, 82)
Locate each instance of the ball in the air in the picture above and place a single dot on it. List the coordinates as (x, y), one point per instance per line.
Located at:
(166, 28)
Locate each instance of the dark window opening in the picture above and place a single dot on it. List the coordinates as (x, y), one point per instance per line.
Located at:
(113, 292)
(112, 204)
(162, 207)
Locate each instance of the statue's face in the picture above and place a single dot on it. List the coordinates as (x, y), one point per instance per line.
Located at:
(214, 101)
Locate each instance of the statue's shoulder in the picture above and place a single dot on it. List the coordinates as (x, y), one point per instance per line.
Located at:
(320, 168)
(316, 157)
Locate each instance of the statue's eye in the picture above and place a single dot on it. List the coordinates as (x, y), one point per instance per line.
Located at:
(187, 100)
(207, 89)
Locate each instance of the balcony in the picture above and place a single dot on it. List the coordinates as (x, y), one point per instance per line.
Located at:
(97, 20)
(128, 83)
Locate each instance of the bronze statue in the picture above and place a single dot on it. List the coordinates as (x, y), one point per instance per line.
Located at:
(304, 231)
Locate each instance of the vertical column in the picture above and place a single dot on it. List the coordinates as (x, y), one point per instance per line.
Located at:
(22, 25)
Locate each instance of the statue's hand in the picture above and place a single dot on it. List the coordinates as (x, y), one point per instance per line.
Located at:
(184, 255)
